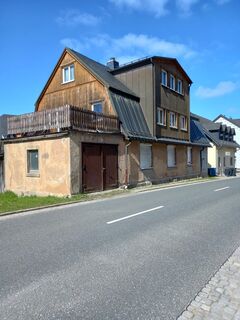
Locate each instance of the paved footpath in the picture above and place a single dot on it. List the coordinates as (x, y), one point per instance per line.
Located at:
(220, 299)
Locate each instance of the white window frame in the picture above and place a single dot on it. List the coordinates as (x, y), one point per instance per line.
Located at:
(164, 80)
(183, 123)
(145, 156)
(173, 120)
(189, 156)
(30, 170)
(68, 69)
(161, 116)
(171, 156)
(172, 82)
(179, 86)
(97, 103)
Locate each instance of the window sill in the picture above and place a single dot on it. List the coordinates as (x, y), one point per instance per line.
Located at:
(165, 86)
(161, 124)
(33, 174)
(172, 167)
(189, 164)
(150, 168)
(185, 130)
(68, 81)
(174, 128)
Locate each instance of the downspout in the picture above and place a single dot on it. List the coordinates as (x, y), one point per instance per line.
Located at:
(126, 164)
(201, 162)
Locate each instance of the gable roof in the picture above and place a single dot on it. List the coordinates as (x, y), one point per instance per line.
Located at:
(98, 70)
(211, 131)
(233, 121)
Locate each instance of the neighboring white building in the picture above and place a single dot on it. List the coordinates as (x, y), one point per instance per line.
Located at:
(234, 123)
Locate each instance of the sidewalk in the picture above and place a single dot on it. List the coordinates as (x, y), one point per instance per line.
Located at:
(220, 298)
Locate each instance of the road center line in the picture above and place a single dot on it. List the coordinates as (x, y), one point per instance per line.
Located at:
(134, 215)
(221, 189)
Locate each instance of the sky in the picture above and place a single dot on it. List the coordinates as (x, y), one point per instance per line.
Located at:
(202, 35)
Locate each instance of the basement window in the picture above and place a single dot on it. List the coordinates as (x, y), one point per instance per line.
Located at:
(68, 73)
(32, 161)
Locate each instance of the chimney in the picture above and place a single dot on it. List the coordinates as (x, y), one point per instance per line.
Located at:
(112, 64)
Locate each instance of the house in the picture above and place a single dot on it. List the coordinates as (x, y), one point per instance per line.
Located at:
(221, 155)
(97, 127)
(235, 124)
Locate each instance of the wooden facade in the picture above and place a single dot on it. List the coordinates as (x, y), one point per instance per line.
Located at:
(145, 80)
(82, 92)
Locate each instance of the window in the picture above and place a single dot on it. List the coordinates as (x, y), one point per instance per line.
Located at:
(97, 107)
(179, 86)
(145, 156)
(171, 156)
(183, 123)
(164, 78)
(172, 82)
(68, 73)
(161, 116)
(32, 161)
(189, 155)
(224, 161)
(173, 120)
(231, 161)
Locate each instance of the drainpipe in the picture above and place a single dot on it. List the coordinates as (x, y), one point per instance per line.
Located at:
(201, 162)
(126, 164)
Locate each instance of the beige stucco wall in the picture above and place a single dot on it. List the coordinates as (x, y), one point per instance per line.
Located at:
(212, 156)
(159, 171)
(214, 153)
(76, 140)
(54, 167)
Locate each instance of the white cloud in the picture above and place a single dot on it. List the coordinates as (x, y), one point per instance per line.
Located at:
(75, 17)
(185, 6)
(221, 89)
(129, 47)
(158, 7)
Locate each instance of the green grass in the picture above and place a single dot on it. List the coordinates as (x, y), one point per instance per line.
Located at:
(9, 201)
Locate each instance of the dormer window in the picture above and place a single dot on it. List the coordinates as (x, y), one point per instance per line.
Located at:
(164, 78)
(172, 82)
(68, 73)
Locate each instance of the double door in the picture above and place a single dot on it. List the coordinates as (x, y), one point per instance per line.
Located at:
(99, 167)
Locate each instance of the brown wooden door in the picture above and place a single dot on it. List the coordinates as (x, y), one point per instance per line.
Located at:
(99, 167)
(110, 167)
(92, 167)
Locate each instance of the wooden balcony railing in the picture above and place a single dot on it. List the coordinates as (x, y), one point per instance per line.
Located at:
(58, 119)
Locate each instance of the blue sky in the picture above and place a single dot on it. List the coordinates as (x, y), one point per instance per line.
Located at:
(202, 35)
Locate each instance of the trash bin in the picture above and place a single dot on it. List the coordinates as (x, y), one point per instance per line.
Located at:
(212, 172)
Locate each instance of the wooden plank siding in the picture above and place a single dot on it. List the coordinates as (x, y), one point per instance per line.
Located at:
(64, 117)
(82, 92)
(171, 101)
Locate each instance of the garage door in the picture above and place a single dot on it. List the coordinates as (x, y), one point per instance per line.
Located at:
(100, 167)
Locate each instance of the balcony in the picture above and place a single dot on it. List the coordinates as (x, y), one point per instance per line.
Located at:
(60, 119)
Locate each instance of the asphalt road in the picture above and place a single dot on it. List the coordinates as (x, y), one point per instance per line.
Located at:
(82, 262)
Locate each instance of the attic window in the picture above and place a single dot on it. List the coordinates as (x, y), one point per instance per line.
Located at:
(68, 73)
